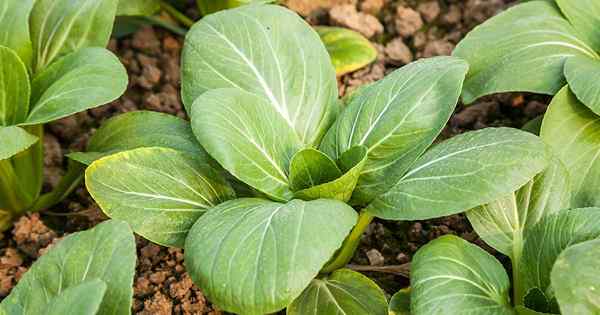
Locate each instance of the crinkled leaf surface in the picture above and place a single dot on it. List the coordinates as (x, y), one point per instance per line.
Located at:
(106, 252)
(521, 49)
(463, 172)
(549, 238)
(396, 119)
(585, 17)
(342, 292)
(310, 167)
(267, 50)
(582, 74)
(576, 278)
(163, 194)
(14, 87)
(59, 27)
(400, 303)
(139, 129)
(138, 7)
(247, 137)
(452, 276)
(14, 15)
(503, 223)
(82, 80)
(254, 256)
(351, 162)
(14, 140)
(349, 50)
(572, 131)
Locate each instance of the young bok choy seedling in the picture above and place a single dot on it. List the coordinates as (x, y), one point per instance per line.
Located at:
(271, 201)
(52, 65)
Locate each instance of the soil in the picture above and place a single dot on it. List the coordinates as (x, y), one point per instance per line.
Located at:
(402, 31)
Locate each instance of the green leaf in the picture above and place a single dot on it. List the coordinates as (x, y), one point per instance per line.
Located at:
(548, 239)
(342, 292)
(451, 276)
(16, 37)
(106, 252)
(247, 137)
(582, 74)
(522, 310)
(138, 7)
(84, 298)
(14, 140)
(571, 129)
(15, 89)
(400, 303)
(536, 302)
(254, 256)
(211, 6)
(310, 167)
(504, 223)
(352, 163)
(349, 50)
(397, 118)
(584, 15)
(60, 27)
(266, 50)
(575, 277)
(535, 125)
(140, 129)
(463, 172)
(163, 196)
(58, 91)
(521, 49)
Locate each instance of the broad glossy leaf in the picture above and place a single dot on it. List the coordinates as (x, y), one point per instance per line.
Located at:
(342, 292)
(582, 74)
(163, 195)
(310, 167)
(254, 256)
(349, 50)
(463, 172)
(247, 137)
(267, 50)
(14, 15)
(576, 279)
(585, 17)
(397, 119)
(504, 223)
(400, 303)
(549, 238)
(14, 87)
(14, 140)
(106, 252)
(521, 49)
(58, 91)
(572, 131)
(139, 129)
(452, 276)
(60, 27)
(352, 163)
(138, 7)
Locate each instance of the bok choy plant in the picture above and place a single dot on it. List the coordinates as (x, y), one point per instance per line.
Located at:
(86, 273)
(272, 199)
(554, 252)
(52, 66)
(536, 46)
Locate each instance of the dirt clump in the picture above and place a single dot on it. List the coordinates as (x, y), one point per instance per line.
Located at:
(348, 16)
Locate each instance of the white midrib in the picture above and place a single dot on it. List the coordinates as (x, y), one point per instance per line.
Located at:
(282, 110)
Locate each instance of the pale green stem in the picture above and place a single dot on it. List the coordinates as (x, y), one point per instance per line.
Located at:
(345, 254)
(516, 261)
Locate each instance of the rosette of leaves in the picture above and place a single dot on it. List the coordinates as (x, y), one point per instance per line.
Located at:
(86, 273)
(536, 46)
(272, 184)
(52, 66)
(554, 253)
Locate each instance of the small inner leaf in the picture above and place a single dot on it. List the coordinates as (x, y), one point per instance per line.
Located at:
(349, 50)
(310, 167)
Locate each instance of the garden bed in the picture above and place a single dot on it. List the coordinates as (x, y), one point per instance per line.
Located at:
(402, 32)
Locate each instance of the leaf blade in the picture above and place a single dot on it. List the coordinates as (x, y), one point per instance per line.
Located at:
(581, 73)
(16, 13)
(14, 80)
(348, 50)
(14, 140)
